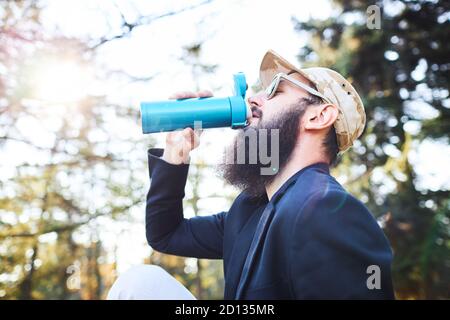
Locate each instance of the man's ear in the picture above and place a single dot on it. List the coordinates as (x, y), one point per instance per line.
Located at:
(320, 117)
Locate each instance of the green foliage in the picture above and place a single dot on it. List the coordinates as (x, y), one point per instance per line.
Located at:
(59, 188)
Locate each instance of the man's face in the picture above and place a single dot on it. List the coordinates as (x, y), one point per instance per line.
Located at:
(286, 94)
(275, 126)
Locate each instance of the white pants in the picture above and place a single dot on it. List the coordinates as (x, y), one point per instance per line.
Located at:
(148, 282)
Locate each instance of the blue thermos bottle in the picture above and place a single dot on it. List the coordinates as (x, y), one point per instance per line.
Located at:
(210, 112)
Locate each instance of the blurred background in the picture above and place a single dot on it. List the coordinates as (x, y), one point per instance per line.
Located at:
(73, 166)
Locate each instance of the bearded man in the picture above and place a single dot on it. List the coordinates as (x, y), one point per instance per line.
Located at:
(293, 232)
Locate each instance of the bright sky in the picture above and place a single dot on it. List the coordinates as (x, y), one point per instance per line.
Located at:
(236, 36)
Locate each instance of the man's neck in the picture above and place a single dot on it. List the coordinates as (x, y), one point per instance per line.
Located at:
(297, 161)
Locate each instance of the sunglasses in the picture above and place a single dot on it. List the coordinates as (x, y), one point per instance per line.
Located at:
(273, 86)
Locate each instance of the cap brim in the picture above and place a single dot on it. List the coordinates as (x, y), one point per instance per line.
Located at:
(272, 63)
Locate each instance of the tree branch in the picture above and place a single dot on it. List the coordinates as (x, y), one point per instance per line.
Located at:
(144, 20)
(65, 227)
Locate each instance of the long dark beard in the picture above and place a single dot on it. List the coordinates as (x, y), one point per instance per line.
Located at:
(247, 175)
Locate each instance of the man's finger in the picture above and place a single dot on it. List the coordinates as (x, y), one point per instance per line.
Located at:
(204, 94)
(183, 95)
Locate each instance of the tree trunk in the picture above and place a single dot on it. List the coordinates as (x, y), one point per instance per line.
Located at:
(26, 285)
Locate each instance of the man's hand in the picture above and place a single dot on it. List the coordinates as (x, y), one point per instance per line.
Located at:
(180, 143)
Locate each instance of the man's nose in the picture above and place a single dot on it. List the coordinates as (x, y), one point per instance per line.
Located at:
(256, 101)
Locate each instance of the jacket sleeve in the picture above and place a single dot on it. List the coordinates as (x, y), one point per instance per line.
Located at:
(337, 243)
(167, 230)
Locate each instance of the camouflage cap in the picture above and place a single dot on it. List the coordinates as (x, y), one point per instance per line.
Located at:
(351, 119)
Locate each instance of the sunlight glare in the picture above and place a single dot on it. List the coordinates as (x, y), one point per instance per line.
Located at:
(60, 82)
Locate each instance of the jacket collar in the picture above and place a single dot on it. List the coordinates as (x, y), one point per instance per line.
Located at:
(320, 166)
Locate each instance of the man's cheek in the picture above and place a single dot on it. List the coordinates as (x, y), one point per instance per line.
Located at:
(270, 114)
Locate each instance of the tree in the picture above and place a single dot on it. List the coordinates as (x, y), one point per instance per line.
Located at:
(64, 167)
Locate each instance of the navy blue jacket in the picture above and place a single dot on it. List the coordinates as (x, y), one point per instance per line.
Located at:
(312, 240)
